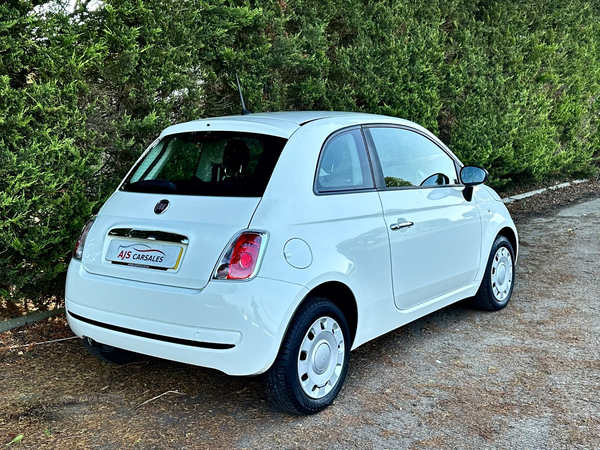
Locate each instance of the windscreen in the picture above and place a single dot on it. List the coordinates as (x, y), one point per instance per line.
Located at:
(217, 163)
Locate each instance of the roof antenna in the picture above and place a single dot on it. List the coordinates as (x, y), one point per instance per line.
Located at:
(244, 110)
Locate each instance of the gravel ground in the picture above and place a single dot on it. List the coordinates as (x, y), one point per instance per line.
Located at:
(527, 377)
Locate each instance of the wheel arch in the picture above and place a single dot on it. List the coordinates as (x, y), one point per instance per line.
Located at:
(510, 234)
(343, 297)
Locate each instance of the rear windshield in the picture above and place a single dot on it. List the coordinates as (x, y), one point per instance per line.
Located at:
(215, 163)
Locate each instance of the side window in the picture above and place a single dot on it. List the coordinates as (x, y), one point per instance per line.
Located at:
(344, 164)
(409, 159)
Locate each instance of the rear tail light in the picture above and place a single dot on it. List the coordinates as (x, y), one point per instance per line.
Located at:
(78, 250)
(242, 258)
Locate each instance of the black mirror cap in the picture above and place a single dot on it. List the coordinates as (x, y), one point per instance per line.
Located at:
(473, 175)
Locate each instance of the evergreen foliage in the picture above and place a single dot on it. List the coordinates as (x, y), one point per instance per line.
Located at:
(512, 86)
(47, 152)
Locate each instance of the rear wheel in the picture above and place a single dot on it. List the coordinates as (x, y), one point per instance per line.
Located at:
(110, 354)
(498, 281)
(313, 359)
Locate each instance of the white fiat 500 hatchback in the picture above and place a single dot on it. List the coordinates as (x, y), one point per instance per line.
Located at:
(277, 243)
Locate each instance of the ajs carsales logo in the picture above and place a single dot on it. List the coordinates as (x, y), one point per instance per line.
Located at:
(140, 252)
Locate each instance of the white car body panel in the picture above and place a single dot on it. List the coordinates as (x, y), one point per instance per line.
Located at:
(440, 253)
(222, 313)
(494, 218)
(313, 239)
(207, 222)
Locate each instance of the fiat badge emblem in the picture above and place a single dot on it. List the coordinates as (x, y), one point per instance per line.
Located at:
(161, 206)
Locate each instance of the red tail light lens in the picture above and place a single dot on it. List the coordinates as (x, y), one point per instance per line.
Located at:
(242, 258)
(78, 250)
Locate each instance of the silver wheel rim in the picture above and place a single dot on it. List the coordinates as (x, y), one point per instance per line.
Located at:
(502, 274)
(321, 357)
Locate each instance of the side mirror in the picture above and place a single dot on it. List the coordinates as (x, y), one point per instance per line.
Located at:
(473, 175)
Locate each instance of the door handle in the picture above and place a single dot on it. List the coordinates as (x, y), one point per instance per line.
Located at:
(397, 226)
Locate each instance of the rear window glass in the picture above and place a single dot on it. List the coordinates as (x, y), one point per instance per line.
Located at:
(214, 163)
(344, 165)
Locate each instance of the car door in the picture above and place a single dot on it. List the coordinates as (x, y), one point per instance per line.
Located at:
(434, 232)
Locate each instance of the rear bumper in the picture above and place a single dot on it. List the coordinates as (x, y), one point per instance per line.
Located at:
(233, 327)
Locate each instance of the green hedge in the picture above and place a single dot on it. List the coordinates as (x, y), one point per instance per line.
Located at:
(511, 86)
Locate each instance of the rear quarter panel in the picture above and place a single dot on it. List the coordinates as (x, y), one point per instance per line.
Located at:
(345, 232)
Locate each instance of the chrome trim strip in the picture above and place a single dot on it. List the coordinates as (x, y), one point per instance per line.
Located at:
(150, 235)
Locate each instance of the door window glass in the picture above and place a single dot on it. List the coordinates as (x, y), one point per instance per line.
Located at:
(409, 159)
(344, 164)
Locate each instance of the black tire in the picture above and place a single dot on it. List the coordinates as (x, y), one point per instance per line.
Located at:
(282, 381)
(110, 354)
(486, 297)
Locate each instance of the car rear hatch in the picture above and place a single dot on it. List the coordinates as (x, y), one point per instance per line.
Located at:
(179, 207)
(179, 247)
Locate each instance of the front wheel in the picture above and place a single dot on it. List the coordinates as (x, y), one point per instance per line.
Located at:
(313, 359)
(498, 281)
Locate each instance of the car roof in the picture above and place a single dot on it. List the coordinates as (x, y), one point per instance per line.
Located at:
(301, 117)
(282, 124)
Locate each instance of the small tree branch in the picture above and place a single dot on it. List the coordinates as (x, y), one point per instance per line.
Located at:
(157, 397)
(45, 342)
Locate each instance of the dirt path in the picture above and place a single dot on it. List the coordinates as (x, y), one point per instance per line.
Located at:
(527, 377)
